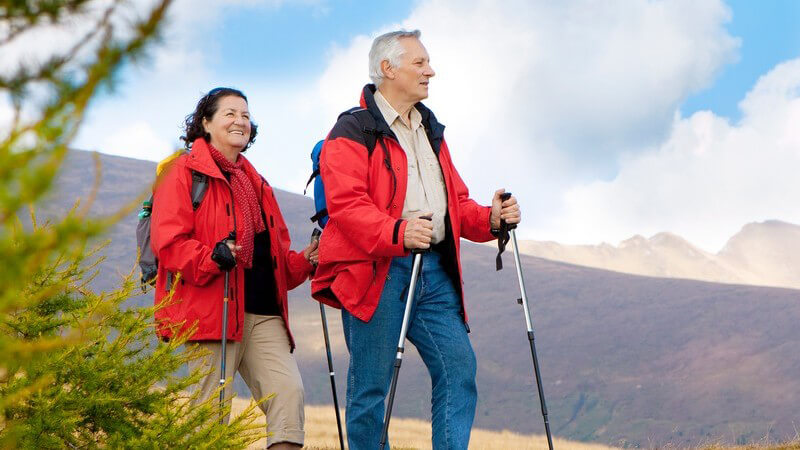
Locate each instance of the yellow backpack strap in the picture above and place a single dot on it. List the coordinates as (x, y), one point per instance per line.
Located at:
(165, 163)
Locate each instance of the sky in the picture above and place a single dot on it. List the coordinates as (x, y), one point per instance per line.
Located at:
(605, 119)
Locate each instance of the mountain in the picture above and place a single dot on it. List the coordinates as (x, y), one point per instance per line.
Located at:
(626, 360)
(761, 254)
(770, 250)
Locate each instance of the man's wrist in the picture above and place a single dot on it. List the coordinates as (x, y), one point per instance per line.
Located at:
(495, 230)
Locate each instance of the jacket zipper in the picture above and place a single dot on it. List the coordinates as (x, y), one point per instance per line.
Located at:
(236, 272)
(284, 307)
(388, 162)
(463, 312)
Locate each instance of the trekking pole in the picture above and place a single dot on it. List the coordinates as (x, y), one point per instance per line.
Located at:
(315, 236)
(417, 252)
(524, 302)
(231, 237)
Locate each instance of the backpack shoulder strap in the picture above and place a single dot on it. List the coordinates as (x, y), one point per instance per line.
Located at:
(199, 188)
(367, 124)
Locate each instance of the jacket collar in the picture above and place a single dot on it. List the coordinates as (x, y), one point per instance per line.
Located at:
(433, 128)
(201, 161)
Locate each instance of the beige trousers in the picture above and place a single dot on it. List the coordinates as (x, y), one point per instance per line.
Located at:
(264, 361)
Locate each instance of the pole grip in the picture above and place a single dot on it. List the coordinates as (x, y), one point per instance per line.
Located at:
(315, 235)
(419, 251)
(508, 226)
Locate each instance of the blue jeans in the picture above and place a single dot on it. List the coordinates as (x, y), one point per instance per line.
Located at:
(437, 330)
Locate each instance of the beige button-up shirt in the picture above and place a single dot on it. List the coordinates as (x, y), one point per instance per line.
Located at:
(426, 191)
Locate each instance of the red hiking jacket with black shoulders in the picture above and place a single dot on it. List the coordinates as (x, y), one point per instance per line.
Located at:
(365, 193)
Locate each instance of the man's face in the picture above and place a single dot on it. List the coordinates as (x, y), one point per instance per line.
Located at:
(414, 72)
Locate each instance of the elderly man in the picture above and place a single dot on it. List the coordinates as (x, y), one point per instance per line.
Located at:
(386, 197)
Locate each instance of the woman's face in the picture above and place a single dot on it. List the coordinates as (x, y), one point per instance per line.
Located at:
(229, 127)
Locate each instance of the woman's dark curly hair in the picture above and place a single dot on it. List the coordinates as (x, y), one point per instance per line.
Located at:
(205, 109)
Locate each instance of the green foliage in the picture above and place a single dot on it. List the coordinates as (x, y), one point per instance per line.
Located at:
(115, 389)
(77, 368)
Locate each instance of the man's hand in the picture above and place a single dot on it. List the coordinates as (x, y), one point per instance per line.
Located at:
(418, 233)
(507, 210)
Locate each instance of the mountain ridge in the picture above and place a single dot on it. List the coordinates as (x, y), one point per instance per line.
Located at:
(760, 254)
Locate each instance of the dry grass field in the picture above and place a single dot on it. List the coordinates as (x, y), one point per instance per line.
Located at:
(416, 434)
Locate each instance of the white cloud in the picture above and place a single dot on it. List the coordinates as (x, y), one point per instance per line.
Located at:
(138, 140)
(548, 99)
(6, 116)
(708, 179)
(539, 96)
(46, 39)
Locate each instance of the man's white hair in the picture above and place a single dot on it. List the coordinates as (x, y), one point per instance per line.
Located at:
(386, 47)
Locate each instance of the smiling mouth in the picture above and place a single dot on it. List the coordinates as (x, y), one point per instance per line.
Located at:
(239, 132)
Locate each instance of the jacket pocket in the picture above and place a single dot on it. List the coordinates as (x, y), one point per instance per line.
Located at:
(353, 281)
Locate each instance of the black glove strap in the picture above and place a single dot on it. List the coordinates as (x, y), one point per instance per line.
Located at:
(502, 236)
(502, 239)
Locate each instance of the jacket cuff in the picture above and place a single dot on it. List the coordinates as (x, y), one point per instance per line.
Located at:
(486, 232)
(399, 230)
(208, 266)
(305, 265)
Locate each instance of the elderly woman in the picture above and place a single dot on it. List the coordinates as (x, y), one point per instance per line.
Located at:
(194, 252)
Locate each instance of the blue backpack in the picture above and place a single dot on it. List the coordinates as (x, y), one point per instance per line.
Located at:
(321, 216)
(368, 128)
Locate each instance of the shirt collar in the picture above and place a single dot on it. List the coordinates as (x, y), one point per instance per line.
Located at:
(390, 115)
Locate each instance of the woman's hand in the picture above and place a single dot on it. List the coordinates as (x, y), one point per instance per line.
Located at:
(224, 255)
(234, 248)
(311, 253)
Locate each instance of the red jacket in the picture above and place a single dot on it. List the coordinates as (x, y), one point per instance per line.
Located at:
(183, 240)
(365, 195)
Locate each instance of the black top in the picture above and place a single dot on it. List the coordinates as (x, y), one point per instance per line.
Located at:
(259, 281)
(260, 293)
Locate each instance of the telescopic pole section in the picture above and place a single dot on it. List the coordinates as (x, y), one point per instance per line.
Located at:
(315, 236)
(401, 343)
(529, 323)
(332, 374)
(224, 347)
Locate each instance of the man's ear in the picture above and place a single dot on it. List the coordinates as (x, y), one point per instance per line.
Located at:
(387, 69)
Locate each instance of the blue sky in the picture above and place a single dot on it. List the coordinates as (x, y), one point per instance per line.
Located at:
(768, 30)
(298, 34)
(770, 34)
(611, 118)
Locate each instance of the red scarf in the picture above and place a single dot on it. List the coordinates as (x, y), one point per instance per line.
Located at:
(245, 198)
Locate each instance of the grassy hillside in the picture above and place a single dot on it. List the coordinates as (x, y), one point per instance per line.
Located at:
(626, 360)
(405, 433)
(321, 434)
